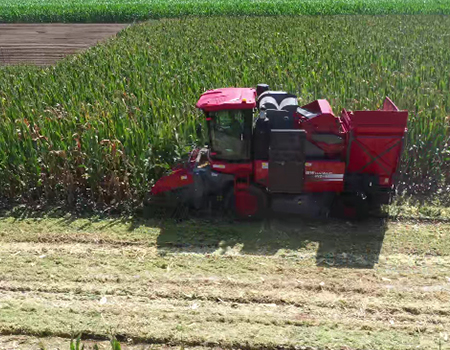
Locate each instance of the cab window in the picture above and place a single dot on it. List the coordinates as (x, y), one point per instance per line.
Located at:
(229, 134)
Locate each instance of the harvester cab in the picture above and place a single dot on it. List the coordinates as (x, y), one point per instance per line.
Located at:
(267, 152)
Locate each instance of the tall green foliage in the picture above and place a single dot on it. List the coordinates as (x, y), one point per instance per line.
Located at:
(130, 10)
(105, 124)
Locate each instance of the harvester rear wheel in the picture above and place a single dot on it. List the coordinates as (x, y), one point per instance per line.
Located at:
(351, 206)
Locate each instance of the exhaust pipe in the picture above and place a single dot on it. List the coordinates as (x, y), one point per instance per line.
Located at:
(261, 88)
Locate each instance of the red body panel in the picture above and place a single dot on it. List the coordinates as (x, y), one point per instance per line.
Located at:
(376, 140)
(324, 176)
(319, 106)
(378, 123)
(227, 98)
(178, 178)
(238, 169)
(364, 156)
(324, 123)
(261, 171)
(246, 204)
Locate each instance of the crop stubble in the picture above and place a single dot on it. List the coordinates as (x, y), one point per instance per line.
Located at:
(182, 284)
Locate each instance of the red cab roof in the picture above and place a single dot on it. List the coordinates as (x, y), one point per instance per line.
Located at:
(227, 98)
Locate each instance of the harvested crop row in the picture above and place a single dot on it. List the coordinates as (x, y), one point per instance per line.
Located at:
(230, 295)
(127, 11)
(103, 125)
(45, 44)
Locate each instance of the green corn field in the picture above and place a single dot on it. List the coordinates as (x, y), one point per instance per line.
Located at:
(101, 126)
(131, 10)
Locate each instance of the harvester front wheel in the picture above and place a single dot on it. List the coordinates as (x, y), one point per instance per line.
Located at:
(250, 203)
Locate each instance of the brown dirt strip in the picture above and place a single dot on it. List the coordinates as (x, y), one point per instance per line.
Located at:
(44, 44)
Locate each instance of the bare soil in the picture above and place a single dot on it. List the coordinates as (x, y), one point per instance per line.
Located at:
(44, 44)
(201, 283)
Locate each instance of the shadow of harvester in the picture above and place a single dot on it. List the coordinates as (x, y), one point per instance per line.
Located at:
(334, 243)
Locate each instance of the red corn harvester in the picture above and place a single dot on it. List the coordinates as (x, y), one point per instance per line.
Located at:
(265, 152)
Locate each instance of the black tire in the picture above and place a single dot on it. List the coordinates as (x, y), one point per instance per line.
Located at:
(260, 198)
(351, 206)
